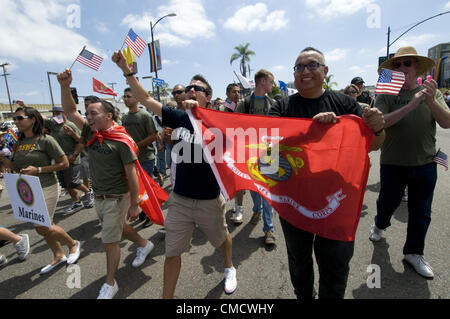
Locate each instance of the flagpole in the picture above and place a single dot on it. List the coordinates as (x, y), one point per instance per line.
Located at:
(123, 43)
(76, 58)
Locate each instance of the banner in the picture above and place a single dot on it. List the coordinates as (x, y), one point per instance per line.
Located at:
(314, 175)
(27, 199)
(99, 87)
(155, 56)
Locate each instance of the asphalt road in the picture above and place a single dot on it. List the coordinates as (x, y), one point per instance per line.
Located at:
(262, 272)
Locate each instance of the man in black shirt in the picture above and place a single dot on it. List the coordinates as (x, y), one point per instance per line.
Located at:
(312, 101)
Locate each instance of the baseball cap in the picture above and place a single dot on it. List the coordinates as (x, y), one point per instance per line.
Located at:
(357, 80)
(57, 109)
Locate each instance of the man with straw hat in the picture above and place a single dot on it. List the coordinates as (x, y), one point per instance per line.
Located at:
(408, 152)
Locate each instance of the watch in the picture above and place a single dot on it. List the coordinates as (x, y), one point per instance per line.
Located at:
(39, 170)
(129, 74)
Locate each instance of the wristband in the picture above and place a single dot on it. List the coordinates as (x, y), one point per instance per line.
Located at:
(377, 133)
(39, 170)
(129, 74)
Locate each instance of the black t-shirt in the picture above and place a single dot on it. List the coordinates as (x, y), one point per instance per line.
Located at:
(194, 177)
(364, 98)
(298, 106)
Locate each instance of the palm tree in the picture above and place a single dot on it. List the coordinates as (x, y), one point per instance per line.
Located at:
(328, 84)
(243, 53)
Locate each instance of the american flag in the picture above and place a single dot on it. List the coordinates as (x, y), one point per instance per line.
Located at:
(442, 159)
(390, 82)
(135, 43)
(90, 59)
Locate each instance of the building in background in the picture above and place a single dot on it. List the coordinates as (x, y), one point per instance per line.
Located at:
(441, 56)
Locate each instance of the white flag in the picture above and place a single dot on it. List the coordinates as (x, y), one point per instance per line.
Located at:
(246, 83)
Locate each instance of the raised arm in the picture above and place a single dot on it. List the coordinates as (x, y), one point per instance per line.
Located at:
(137, 89)
(70, 108)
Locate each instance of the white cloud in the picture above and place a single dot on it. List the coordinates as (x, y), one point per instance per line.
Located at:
(101, 27)
(190, 23)
(447, 6)
(35, 30)
(335, 55)
(256, 17)
(278, 68)
(334, 8)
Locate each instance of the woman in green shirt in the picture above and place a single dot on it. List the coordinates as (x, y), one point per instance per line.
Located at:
(33, 155)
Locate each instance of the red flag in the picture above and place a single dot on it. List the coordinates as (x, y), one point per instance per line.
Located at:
(316, 183)
(101, 88)
(151, 196)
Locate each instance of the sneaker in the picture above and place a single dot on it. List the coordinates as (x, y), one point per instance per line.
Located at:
(142, 253)
(255, 218)
(420, 265)
(107, 291)
(76, 207)
(375, 233)
(162, 231)
(230, 280)
(238, 216)
(89, 200)
(23, 247)
(269, 238)
(72, 258)
(3, 260)
(50, 267)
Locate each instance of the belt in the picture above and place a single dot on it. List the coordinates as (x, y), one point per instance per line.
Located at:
(104, 197)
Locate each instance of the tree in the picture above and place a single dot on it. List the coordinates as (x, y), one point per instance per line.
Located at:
(328, 84)
(244, 54)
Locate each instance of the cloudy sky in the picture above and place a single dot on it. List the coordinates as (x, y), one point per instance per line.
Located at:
(38, 36)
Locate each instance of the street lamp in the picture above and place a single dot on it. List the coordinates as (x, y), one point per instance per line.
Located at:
(50, 86)
(389, 31)
(152, 26)
(6, 81)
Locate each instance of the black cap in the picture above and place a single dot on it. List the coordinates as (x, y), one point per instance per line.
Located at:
(357, 80)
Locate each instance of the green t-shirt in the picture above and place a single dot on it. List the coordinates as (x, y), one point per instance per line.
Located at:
(37, 151)
(412, 140)
(260, 105)
(140, 126)
(106, 164)
(67, 142)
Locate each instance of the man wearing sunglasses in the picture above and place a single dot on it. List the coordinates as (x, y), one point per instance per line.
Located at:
(179, 95)
(408, 153)
(313, 101)
(196, 198)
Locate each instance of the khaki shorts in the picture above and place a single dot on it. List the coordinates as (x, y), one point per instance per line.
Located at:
(51, 195)
(112, 213)
(184, 213)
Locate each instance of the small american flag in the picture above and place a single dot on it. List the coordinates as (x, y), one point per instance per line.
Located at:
(390, 82)
(90, 59)
(442, 159)
(135, 43)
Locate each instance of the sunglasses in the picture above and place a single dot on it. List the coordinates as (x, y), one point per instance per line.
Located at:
(312, 66)
(197, 88)
(353, 92)
(177, 92)
(398, 64)
(20, 118)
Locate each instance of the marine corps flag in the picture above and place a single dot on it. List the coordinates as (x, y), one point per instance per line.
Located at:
(314, 175)
(99, 87)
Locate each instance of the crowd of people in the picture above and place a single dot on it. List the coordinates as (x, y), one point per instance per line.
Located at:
(89, 157)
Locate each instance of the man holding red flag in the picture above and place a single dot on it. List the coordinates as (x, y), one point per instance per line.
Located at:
(114, 171)
(196, 199)
(313, 101)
